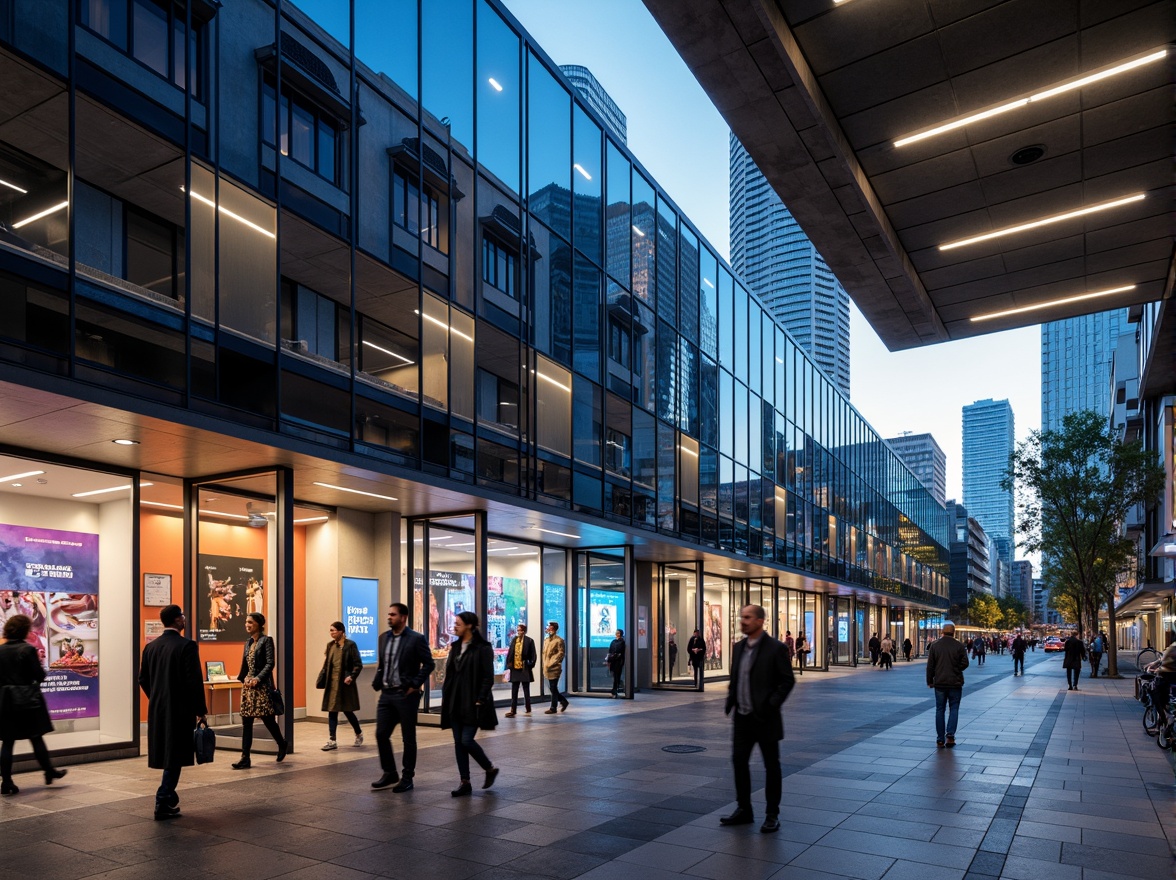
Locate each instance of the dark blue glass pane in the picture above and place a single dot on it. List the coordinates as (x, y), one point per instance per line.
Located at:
(586, 183)
(549, 146)
(618, 226)
(499, 93)
(386, 41)
(447, 65)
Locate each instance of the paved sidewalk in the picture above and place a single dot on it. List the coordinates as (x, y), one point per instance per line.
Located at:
(1044, 784)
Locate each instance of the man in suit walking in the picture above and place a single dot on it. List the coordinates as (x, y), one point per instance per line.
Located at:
(761, 678)
(616, 661)
(1072, 660)
(171, 677)
(404, 667)
(520, 660)
(696, 649)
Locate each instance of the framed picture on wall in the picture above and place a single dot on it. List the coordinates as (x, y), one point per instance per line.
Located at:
(157, 589)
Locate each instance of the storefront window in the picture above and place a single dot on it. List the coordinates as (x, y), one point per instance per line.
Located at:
(677, 619)
(717, 631)
(451, 589)
(513, 596)
(66, 536)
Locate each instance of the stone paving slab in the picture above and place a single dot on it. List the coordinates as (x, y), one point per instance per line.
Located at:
(1043, 784)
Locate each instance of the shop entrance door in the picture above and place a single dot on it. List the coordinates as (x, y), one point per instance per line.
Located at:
(601, 606)
(841, 631)
(678, 614)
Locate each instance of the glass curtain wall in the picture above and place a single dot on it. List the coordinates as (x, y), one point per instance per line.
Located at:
(601, 607)
(678, 614)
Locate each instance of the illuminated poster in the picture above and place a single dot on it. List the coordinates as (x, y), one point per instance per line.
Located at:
(360, 596)
(606, 613)
(554, 601)
(712, 623)
(506, 607)
(52, 577)
(227, 589)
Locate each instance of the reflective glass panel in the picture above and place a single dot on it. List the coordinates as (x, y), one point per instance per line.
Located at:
(499, 97)
(726, 320)
(549, 149)
(618, 231)
(587, 296)
(447, 76)
(387, 41)
(586, 184)
(644, 236)
(667, 261)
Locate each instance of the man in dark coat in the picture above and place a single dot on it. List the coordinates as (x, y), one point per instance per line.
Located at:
(761, 679)
(404, 667)
(520, 661)
(946, 661)
(875, 647)
(171, 677)
(1075, 656)
(1018, 655)
(616, 661)
(696, 653)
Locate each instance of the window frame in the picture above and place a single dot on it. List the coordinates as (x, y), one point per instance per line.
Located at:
(290, 102)
(193, 76)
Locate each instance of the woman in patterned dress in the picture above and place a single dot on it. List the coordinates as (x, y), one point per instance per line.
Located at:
(257, 674)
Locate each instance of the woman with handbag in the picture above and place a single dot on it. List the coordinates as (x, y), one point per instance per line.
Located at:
(338, 682)
(23, 713)
(467, 699)
(259, 694)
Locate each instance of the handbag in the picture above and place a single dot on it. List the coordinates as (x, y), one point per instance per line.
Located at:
(204, 742)
(277, 701)
(321, 681)
(24, 698)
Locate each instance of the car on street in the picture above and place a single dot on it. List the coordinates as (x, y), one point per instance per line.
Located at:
(1053, 643)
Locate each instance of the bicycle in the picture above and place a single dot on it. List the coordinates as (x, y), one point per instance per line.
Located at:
(1146, 657)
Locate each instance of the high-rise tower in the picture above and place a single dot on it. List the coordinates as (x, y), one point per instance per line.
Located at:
(1076, 364)
(926, 460)
(597, 98)
(988, 443)
(776, 258)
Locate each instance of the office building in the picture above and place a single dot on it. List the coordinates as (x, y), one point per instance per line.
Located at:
(971, 562)
(771, 251)
(926, 460)
(988, 443)
(1022, 583)
(1076, 356)
(598, 99)
(304, 326)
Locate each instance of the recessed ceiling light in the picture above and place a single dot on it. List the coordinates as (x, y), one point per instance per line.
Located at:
(1050, 92)
(1044, 221)
(1054, 302)
(494, 84)
(39, 215)
(14, 186)
(125, 442)
(550, 532)
(104, 491)
(310, 519)
(17, 485)
(20, 476)
(355, 491)
(739, 570)
(162, 504)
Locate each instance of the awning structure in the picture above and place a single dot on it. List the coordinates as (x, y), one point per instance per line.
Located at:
(1148, 597)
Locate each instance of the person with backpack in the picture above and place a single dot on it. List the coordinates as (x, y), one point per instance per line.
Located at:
(1097, 646)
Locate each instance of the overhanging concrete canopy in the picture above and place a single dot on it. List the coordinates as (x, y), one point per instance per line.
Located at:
(819, 92)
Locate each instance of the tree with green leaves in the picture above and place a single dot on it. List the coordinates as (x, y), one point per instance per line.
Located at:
(1014, 614)
(984, 611)
(1075, 486)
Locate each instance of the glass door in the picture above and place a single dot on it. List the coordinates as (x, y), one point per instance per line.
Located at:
(678, 621)
(840, 645)
(601, 607)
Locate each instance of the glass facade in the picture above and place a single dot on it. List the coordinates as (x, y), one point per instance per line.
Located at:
(424, 249)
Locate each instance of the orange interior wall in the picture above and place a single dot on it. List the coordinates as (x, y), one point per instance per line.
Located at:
(161, 551)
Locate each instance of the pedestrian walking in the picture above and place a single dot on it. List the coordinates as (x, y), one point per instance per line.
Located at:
(520, 661)
(946, 661)
(761, 679)
(886, 654)
(171, 677)
(981, 650)
(802, 652)
(404, 666)
(696, 651)
(875, 647)
(339, 682)
(1072, 659)
(23, 712)
(553, 657)
(257, 674)
(615, 661)
(790, 644)
(467, 699)
(907, 647)
(1018, 656)
(1097, 646)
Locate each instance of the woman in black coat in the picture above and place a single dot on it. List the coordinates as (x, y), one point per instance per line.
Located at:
(257, 674)
(467, 699)
(23, 713)
(338, 682)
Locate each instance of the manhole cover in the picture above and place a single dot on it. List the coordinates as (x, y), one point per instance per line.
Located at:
(683, 749)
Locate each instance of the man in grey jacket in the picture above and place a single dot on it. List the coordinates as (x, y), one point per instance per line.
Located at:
(946, 661)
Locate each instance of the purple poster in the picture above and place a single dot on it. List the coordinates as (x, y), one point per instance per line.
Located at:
(52, 576)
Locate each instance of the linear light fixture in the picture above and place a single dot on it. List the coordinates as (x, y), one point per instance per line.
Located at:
(441, 323)
(1052, 91)
(40, 214)
(387, 351)
(355, 491)
(551, 532)
(13, 186)
(638, 231)
(554, 382)
(225, 515)
(311, 519)
(104, 491)
(494, 84)
(584, 173)
(162, 504)
(12, 477)
(1054, 302)
(229, 213)
(740, 570)
(688, 451)
(708, 283)
(1044, 221)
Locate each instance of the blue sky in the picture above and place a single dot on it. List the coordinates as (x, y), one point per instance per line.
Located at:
(675, 131)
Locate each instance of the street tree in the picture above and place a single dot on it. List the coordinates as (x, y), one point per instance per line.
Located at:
(984, 611)
(1075, 486)
(1014, 614)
